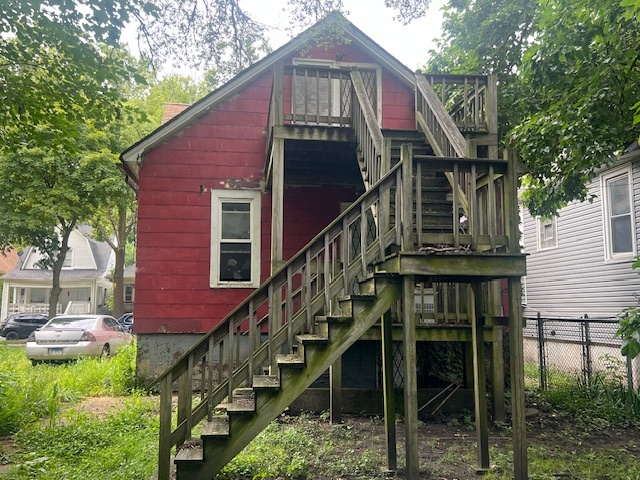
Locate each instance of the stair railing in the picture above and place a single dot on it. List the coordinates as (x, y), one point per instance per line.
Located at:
(247, 340)
(466, 99)
(373, 161)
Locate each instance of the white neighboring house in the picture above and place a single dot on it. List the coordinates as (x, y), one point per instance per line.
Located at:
(580, 261)
(84, 282)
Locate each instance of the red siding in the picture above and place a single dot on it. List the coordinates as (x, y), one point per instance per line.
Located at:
(398, 104)
(225, 148)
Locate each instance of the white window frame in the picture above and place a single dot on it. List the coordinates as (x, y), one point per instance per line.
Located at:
(545, 243)
(252, 197)
(609, 255)
(129, 297)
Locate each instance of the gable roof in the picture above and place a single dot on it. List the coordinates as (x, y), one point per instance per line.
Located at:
(131, 158)
(101, 252)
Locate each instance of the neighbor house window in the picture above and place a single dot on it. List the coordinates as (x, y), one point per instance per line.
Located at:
(128, 293)
(38, 295)
(68, 260)
(235, 238)
(617, 209)
(547, 233)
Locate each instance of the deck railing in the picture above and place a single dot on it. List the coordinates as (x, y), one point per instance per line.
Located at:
(468, 99)
(31, 308)
(478, 217)
(329, 266)
(318, 96)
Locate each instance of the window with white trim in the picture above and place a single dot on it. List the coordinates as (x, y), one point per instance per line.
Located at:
(68, 260)
(235, 238)
(128, 293)
(547, 233)
(618, 217)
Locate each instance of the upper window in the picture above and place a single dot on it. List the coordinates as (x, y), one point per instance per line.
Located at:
(547, 233)
(618, 219)
(128, 293)
(68, 260)
(235, 238)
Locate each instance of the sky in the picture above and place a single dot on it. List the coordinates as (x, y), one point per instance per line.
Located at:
(409, 43)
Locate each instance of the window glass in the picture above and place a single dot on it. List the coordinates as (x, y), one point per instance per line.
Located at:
(618, 213)
(68, 259)
(236, 220)
(38, 295)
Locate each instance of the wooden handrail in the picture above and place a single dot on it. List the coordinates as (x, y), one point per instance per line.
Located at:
(337, 268)
(373, 161)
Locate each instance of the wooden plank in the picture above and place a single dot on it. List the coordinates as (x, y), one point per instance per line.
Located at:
(476, 308)
(412, 468)
(335, 392)
(369, 115)
(516, 358)
(313, 132)
(388, 393)
(461, 265)
(464, 239)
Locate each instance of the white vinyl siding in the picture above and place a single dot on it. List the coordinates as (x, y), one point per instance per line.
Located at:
(80, 255)
(575, 278)
(235, 238)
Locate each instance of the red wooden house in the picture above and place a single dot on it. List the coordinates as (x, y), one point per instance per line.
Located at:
(285, 214)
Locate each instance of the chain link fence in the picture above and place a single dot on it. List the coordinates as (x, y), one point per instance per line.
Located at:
(560, 349)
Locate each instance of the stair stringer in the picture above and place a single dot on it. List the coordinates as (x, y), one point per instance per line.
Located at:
(243, 427)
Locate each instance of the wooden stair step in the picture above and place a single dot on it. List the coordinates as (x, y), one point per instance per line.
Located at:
(244, 400)
(292, 360)
(217, 427)
(312, 339)
(266, 382)
(189, 452)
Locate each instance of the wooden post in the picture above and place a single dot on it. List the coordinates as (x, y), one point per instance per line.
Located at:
(497, 356)
(164, 448)
(518, 418)
(410, 378)
(406, 157)
(277, 203)
(476, 310)
(388, 392)
(497, 380)
(491, 105)
(335, 388)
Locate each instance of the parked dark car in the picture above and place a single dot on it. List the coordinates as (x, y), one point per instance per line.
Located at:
(20, 325)
(126, 321)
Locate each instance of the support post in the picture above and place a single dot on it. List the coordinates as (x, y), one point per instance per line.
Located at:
(518, 418)
(335, 388)
(479, 377)
(497, 381)
(388, 392)
(410, 378)
(277, 203)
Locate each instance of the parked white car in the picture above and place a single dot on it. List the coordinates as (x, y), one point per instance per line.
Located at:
(67, 337)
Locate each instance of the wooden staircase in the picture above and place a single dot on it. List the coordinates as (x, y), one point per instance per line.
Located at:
(235, 424)
(420, 190)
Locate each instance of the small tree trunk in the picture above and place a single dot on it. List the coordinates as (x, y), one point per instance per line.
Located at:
(57, 268)
(118, 270)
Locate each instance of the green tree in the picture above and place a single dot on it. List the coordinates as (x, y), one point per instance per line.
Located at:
(567, 73)
(47, 190)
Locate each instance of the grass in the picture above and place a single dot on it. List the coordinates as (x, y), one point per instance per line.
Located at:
(28, 393)
(50, 439)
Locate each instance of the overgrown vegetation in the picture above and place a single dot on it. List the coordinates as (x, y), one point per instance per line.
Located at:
(27, 393)
(52, 437)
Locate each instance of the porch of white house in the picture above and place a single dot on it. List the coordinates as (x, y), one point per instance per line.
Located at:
(77, 299)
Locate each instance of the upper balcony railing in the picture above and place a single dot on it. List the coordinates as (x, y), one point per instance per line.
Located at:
(469, 99)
